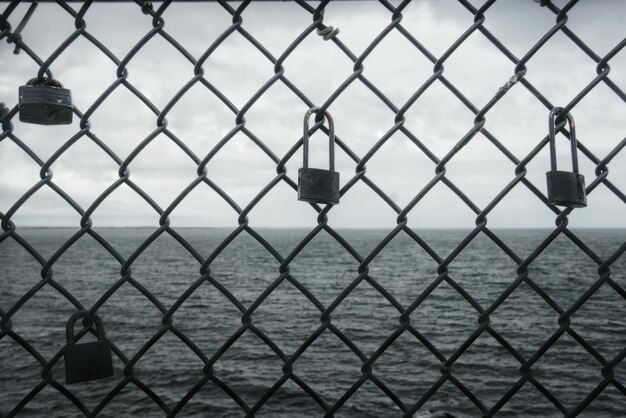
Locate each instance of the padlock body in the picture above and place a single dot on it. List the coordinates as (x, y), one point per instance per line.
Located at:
(45, 105)
(88, 361)
(566, 189)
(318, 186)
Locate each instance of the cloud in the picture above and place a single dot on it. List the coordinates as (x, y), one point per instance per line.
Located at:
(238, 69)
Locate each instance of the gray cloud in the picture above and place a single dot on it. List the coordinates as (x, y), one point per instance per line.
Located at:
(201, 120)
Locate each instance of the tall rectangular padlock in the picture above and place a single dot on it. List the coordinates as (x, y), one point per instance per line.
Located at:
(45, 103)
(565, 188)
(316, 185)
(88, 361)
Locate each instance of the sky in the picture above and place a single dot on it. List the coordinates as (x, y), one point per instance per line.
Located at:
(317, 67)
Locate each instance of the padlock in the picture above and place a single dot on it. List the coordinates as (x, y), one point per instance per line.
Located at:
(565, 188)
(45, 103)
(88, 361)
(316, 185)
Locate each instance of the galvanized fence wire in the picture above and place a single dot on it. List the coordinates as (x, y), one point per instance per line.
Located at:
(517, 80)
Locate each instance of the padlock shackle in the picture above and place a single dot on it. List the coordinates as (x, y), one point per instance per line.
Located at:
(44, 82)
(69, 329)
(554, 115)
(331, 138)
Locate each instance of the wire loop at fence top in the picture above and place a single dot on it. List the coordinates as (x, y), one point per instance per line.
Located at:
(519, 80)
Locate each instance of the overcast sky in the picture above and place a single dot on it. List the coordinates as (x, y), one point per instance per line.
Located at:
(559, 70)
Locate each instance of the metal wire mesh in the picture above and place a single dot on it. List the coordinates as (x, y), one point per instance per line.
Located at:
(518, 80)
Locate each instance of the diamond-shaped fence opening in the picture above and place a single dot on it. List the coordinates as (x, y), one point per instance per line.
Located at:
(187, 114)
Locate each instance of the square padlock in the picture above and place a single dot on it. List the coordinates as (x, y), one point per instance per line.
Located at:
(45, 105)
(88, 361)
(566, 189)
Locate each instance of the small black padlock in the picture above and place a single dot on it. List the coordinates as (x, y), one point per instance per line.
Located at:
(565, 188)
(316, 185)
(45, 102)
(87, 361)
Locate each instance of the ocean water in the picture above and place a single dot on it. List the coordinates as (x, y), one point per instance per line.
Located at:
(250, 368)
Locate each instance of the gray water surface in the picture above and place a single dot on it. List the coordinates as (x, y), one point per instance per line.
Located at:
(328, 366)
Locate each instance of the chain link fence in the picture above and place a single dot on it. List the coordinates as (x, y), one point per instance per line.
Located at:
(11, 27)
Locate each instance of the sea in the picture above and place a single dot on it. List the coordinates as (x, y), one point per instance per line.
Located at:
(363, 323)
